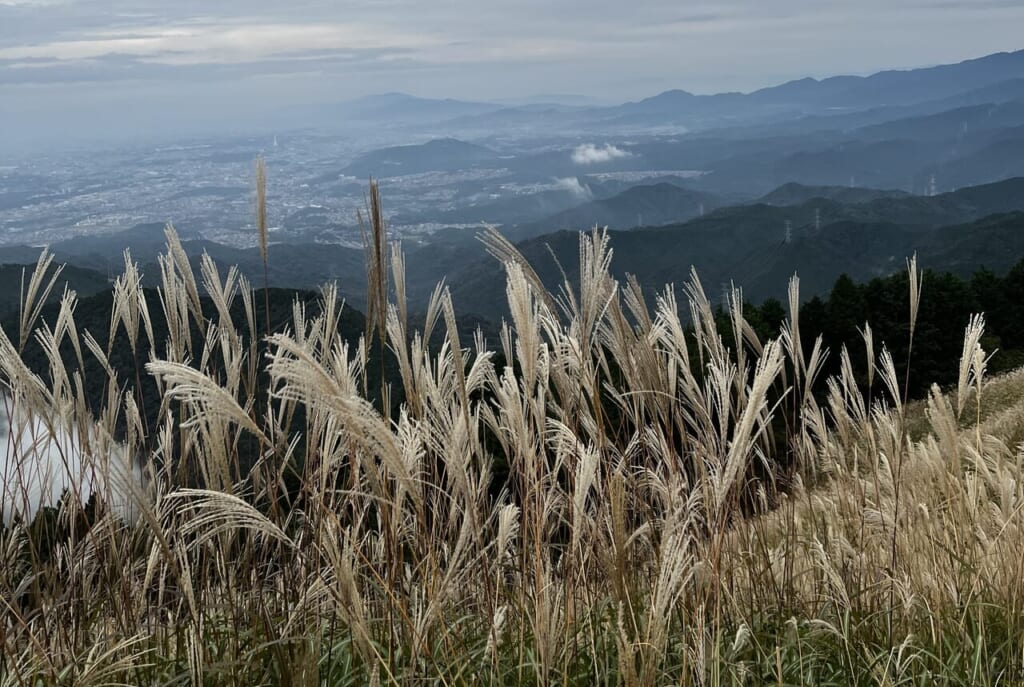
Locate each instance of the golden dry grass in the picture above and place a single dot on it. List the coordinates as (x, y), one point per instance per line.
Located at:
(655, 527)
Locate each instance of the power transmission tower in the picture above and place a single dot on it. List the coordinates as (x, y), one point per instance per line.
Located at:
(726, 293)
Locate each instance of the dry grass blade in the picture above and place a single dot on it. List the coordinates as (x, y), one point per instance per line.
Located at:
(375, 244)
(180, 261)
(968, 366)
(35, 295)
(210, 513)
(211, 400)
(752, 422)
(261, 207)
(506, 253)
(914, 274)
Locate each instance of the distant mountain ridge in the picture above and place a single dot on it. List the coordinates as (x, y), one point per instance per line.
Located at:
(435, 155)
(884, 88)
(389, 106)
(830, 230)
(949, 124)
(83, 281)
(794, 193)
(991, 78)
(963, 230)
(643, 205)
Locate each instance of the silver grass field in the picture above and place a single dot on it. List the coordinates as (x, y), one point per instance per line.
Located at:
(676, 511)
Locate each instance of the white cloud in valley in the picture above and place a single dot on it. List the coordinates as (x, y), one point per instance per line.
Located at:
(591, 154)
(573, 186)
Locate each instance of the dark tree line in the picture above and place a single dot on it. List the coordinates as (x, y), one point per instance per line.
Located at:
(947, 303)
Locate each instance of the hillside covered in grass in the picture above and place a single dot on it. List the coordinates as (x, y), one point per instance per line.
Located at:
(684, 500)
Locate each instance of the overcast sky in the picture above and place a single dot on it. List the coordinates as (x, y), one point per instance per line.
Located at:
(72, 63)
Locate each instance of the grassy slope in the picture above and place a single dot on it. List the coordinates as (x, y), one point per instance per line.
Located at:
(676, 512)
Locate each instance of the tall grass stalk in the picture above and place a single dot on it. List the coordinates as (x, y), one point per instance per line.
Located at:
(262, 230)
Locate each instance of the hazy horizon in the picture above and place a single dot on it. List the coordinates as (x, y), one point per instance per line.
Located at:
(108, 69)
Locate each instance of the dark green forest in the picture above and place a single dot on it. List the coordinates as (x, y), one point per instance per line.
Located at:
(947, 303)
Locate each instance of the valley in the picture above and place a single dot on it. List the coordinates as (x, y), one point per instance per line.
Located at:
(845, 175)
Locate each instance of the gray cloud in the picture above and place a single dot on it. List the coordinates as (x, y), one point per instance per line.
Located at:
(318, 50)
(690, 45)
(115, 67)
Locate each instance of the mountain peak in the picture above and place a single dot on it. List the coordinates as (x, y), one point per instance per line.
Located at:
(672, 94)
